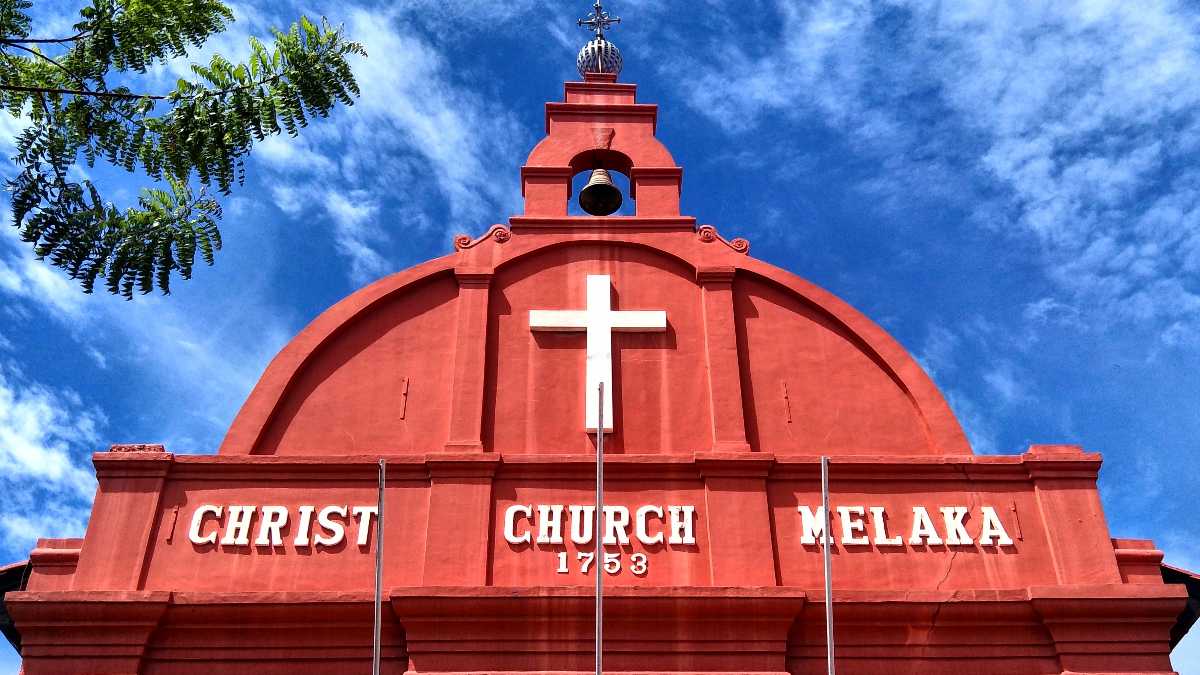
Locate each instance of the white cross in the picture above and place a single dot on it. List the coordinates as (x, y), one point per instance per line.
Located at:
(599, 320)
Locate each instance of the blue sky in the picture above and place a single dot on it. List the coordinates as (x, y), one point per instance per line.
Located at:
(1008, 187)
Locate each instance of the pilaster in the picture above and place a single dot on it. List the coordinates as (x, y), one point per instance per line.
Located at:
(724, 373)
(470, 356)
(123, 516)
(738, 518)
(1064, 482)
(458, 535)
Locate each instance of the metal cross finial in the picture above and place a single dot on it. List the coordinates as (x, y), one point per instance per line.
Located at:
(598, 21)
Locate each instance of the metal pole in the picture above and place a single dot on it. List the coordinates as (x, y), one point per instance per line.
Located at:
(377, 646)
(598, 562)
(828, 566)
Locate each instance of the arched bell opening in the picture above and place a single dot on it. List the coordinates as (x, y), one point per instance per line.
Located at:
(600, 184)
(600, 158)
(620, 185)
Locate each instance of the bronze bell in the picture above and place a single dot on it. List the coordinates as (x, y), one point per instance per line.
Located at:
(600, 197)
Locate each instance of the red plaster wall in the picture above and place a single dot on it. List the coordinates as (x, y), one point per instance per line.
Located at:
(536, 564)
(918, 568)
(348, 396)
(838, 398)
(435, 368)
(172, 563)
(535, 383)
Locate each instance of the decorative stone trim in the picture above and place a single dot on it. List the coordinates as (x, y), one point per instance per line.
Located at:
(497, 233)
(708, 234)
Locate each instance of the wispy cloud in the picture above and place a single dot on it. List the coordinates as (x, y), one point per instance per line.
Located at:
(204, 351)
(420, 146)
(44, 434)
(937, 354)
(1004, 380)
(25, 277)
(289, 199)
(353, 214)
(292, 155)
(979, 423)
(1080, 118)
(38, 426)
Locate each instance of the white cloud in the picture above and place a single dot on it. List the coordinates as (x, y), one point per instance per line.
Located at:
(9, 128)
(1047, 310)
(292, 155)
(204, 355)
(568, 42)
(186, 363)
(197, 351)
(1081, 117)
(38, 428)
(1005, 383)
(25, 277)
(408, 87)
(353, 215)
(421, 145)
(288, 198)
(97, 357)
(45, 437)
(977, 422)
(49, 518)
(937, 355)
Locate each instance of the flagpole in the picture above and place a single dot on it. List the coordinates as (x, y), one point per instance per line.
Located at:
(598, 562)
(377, 641)
(828, 566)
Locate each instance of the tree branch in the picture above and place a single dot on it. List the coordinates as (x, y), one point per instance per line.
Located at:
(77, 78)
(78, 92)
(48, 59)
(153, 97)
(31, 41)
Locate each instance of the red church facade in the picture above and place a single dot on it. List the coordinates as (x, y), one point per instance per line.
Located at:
(260, 559)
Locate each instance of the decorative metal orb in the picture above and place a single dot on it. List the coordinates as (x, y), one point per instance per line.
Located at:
(599, 56)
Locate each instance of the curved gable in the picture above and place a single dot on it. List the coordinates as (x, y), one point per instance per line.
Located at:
(376, 373)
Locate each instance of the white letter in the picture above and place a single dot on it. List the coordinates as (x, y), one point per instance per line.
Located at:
(581, 523)
(880, 519)
(993, 528)
(643, 531)
(812, 525)
(922, 528)
(273, 520)
(337, 531)
(198, 522)
(852, 521)
(956, 534)
(681, 525)
(616, 525)
(304, 526)
(237, 531)
(550, 524)
(364, 513)
(510, 523)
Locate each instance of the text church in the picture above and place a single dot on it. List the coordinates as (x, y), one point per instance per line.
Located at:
(484, 379)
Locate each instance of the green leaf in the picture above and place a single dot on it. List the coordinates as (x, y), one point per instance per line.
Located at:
(193, 138)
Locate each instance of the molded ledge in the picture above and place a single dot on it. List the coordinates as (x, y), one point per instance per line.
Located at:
(478, 629)
(66, 632)
(124, 464)
(677, 223)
